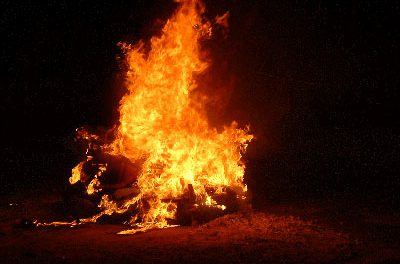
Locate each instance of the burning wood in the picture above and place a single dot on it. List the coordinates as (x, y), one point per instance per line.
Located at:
(165, 164)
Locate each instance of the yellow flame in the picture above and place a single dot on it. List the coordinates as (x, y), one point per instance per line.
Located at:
(162, 120)
(77, 172)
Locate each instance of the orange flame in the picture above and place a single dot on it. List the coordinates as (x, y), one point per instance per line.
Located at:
(163, 123)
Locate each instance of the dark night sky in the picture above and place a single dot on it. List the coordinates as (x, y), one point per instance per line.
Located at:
(317, 80)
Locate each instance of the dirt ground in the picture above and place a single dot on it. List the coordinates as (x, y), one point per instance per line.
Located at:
(285, 233)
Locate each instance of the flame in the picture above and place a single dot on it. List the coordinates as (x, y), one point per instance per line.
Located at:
(163, 123)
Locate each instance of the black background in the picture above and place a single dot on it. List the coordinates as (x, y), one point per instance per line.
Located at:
(316, 80)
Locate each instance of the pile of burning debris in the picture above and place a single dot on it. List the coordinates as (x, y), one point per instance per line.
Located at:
(115, 177)
(164, 164)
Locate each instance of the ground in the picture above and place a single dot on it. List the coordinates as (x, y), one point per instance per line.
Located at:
(275, 233)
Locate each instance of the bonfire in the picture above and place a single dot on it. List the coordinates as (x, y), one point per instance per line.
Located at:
(163, 164)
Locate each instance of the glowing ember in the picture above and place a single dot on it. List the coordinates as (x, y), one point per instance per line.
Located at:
(163, 132)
